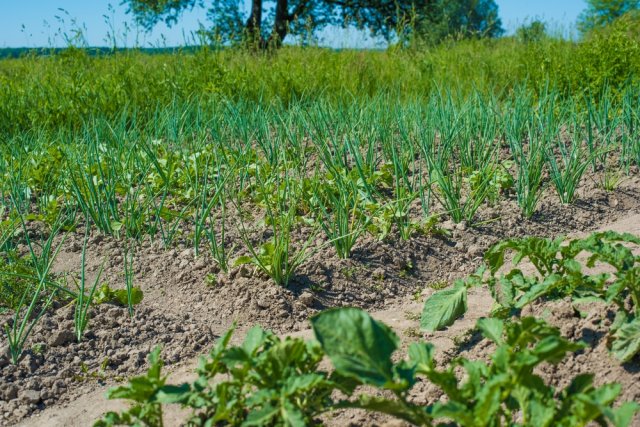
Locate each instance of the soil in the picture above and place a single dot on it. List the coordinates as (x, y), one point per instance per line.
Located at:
(188, 303)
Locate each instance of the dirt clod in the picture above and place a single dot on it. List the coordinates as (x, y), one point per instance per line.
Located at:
(62, 337)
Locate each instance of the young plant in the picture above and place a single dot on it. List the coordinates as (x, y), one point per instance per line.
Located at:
(340, 213)
(131, 291)
(530, 163)
(95, 189)
(32, 305)
(264, 381)
(491, 394)
(277, 257)
(145, 392)
(268, 381)
(567, 173)
(559, 275)
(206, 220)
(83, 302)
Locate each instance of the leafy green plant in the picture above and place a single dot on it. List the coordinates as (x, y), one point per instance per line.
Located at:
(95, 190)
(491, 394)
(273, 382)
(498, 181)
(146, 391)
(105, 295)
(445, 306)
(206, 219)
(558, 275)
(275, 258)
(530, 163)
(451, 186)
(11, 285)
(268, 381)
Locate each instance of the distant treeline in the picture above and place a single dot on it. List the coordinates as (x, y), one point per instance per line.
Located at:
(20, 52)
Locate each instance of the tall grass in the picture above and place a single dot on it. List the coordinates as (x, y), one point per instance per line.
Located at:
(71, 87)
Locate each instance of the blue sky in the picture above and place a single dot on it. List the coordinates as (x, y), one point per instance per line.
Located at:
(41, 23)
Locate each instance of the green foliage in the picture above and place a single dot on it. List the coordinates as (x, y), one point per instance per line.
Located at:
(269, 381)
(444, 307)
(443, 19)
(279, 257)
(533, 32)
(491, 393)
(105, 295)
(38, 292)
(610, 55)
(491, 182)
(341, 216)
(272, 381)
(267, 23)
(59, 91)
(358, 346)
(559, 275)
(11, 285)
(146, 391)
(600, 13)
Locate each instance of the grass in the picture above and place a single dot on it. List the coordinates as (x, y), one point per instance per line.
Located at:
(69, 88)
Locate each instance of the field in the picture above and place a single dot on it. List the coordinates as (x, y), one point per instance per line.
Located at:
(155, 201)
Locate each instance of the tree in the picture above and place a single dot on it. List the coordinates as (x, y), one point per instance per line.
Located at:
(269, 22)
(532, 32)
(600, 13)
(461, 18)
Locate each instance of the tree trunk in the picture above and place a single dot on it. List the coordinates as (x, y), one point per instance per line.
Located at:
(254, 23)
(281, 24)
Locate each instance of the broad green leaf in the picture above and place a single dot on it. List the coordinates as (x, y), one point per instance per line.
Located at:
(172, 393)
(549, 284)
(540, 412)
(492, 329)
(626, 342)
(579, 384)
(623, 415)
(302, 383)
(489, 398)
(607, 394)
(507, 293)
(261, 417)
(254, 339)
(241, 260)
(421, 356)
(358, 345)
(552, 348)
(455, 411)
(136, 296)
(292, 415)
(443, 308)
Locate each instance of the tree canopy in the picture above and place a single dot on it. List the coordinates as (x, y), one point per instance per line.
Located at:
(600, 13)
(271, 21)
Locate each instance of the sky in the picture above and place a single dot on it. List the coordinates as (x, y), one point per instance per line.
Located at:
(42, 23)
